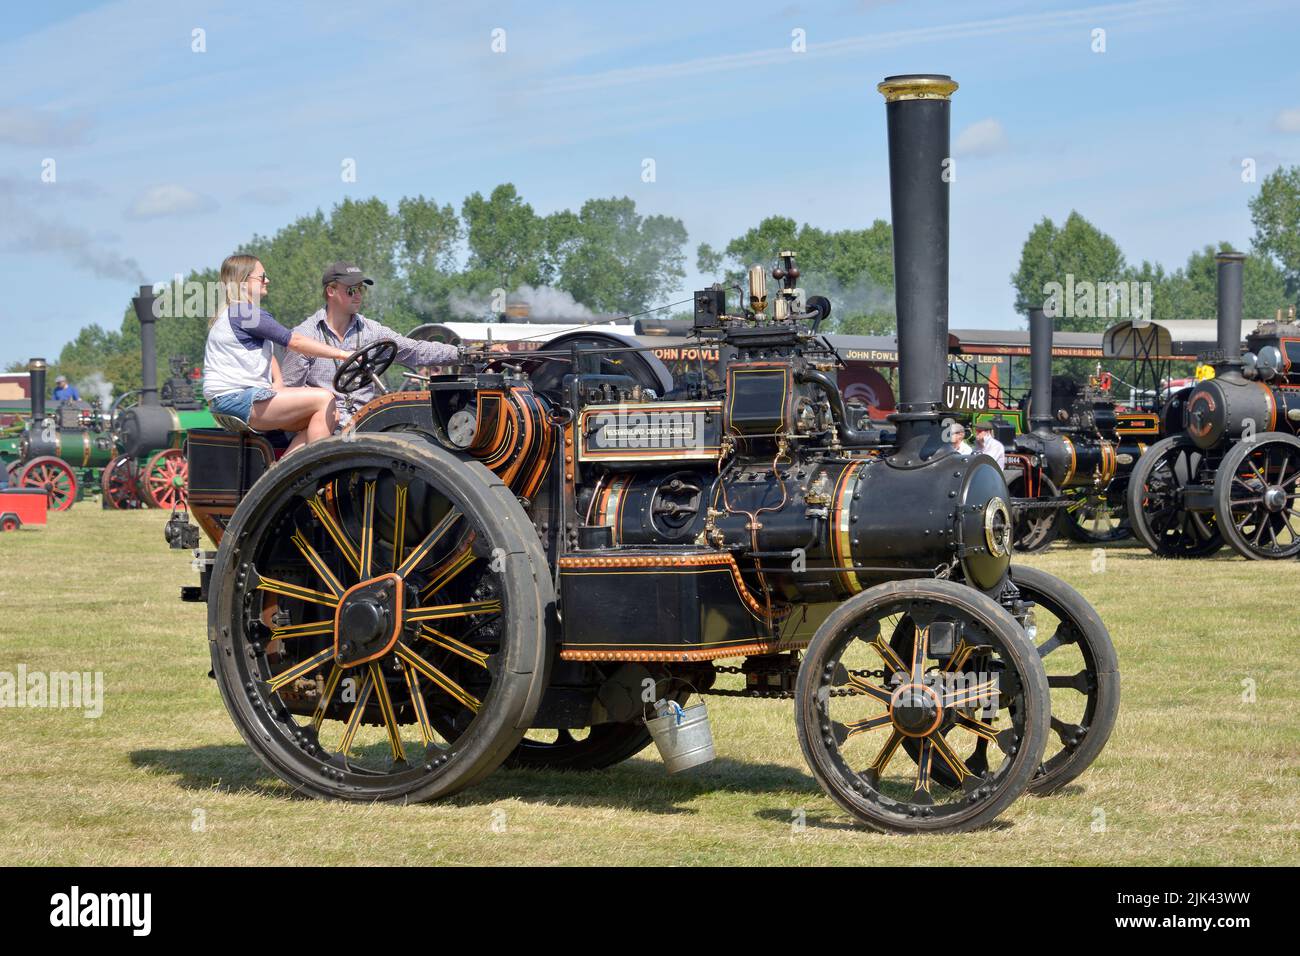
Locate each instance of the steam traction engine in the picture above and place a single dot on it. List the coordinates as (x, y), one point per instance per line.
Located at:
(1073, 466)
(517, 563)
(62, 451)
(1231, 474)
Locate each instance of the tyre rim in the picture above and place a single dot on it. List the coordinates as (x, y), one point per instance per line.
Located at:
(946, 711)
(369, 625)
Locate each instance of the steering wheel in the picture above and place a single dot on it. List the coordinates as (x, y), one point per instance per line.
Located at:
(364, 366)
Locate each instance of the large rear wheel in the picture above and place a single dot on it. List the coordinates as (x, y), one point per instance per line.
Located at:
(1035, 528)
(1156, 510)
(378, 620)
(120, 484)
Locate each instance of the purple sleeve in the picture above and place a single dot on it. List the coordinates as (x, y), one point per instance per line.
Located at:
(265, 327)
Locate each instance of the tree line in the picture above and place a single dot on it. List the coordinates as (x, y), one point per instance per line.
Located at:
(433, 264)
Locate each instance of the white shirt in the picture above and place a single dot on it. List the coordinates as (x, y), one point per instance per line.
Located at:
(993, 448)
(239, 350)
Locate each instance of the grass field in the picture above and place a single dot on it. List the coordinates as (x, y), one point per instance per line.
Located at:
(1198, 771)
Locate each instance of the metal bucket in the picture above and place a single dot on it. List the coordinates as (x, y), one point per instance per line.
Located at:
(682, 735)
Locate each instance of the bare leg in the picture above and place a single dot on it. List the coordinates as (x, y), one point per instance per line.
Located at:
(307, 411)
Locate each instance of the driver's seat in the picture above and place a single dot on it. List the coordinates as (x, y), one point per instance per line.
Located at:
(232, 424)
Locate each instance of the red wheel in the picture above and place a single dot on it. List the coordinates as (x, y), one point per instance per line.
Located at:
(165, 479)
(10, 523)
(121, 484)
(54, 475)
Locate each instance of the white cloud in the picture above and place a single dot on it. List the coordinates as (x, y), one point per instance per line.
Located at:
(980, 139)
(168, 199)
(1287, 121)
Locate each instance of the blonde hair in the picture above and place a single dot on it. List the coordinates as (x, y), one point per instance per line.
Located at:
(232, 284)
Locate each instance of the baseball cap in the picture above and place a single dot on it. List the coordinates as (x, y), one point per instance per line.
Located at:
(346, 273)
(61, 378)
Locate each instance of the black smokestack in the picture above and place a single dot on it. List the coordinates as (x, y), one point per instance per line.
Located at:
(1040, 370)
(148, 349)
(1230, 304)
(36, 369)
(917, 115)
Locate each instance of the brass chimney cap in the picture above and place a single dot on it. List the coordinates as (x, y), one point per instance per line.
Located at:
(1229, 256)
(36, 364)
(917, 86)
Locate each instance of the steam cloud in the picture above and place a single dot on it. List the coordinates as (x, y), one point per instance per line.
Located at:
(544, 302)
(32, 231)
(96, 385)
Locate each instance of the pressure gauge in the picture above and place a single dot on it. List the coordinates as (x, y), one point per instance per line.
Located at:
(461, 428)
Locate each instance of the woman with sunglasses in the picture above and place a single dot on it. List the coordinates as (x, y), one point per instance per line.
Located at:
(241, 377)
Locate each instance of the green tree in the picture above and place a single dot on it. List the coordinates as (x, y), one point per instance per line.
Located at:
(1275, 212)
(1194, 288)
(507, 241)
(615, 260)
(1051, 255)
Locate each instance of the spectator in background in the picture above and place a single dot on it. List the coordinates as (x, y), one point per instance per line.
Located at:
(959, 443)
(63, 391)
(986, 444)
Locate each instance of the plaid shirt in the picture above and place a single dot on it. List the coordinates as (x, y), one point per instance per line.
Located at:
(299, 370)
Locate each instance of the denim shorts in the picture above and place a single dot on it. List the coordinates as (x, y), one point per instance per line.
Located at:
(240, 404)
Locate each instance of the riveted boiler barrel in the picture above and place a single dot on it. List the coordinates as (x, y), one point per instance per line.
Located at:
(887, 517)
(1226, 408)
(145, 429)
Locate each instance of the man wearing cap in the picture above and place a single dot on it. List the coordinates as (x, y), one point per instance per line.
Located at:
(63, 391)
(341, 325)
(986, 444)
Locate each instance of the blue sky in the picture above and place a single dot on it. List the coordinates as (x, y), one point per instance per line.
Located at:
(166, 159)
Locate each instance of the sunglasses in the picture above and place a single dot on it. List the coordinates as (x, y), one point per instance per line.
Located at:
(356, 289)
(262, 278)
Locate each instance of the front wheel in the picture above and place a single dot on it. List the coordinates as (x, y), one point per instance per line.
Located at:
(1255, 497)
(53, 475)
(971, 676)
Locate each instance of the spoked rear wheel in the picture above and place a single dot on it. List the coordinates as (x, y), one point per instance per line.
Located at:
(1035, 528)
(1256, 496)
(120, 484)
(378, 620)
(1156, 510)
(1094, 517)
(857, 701)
